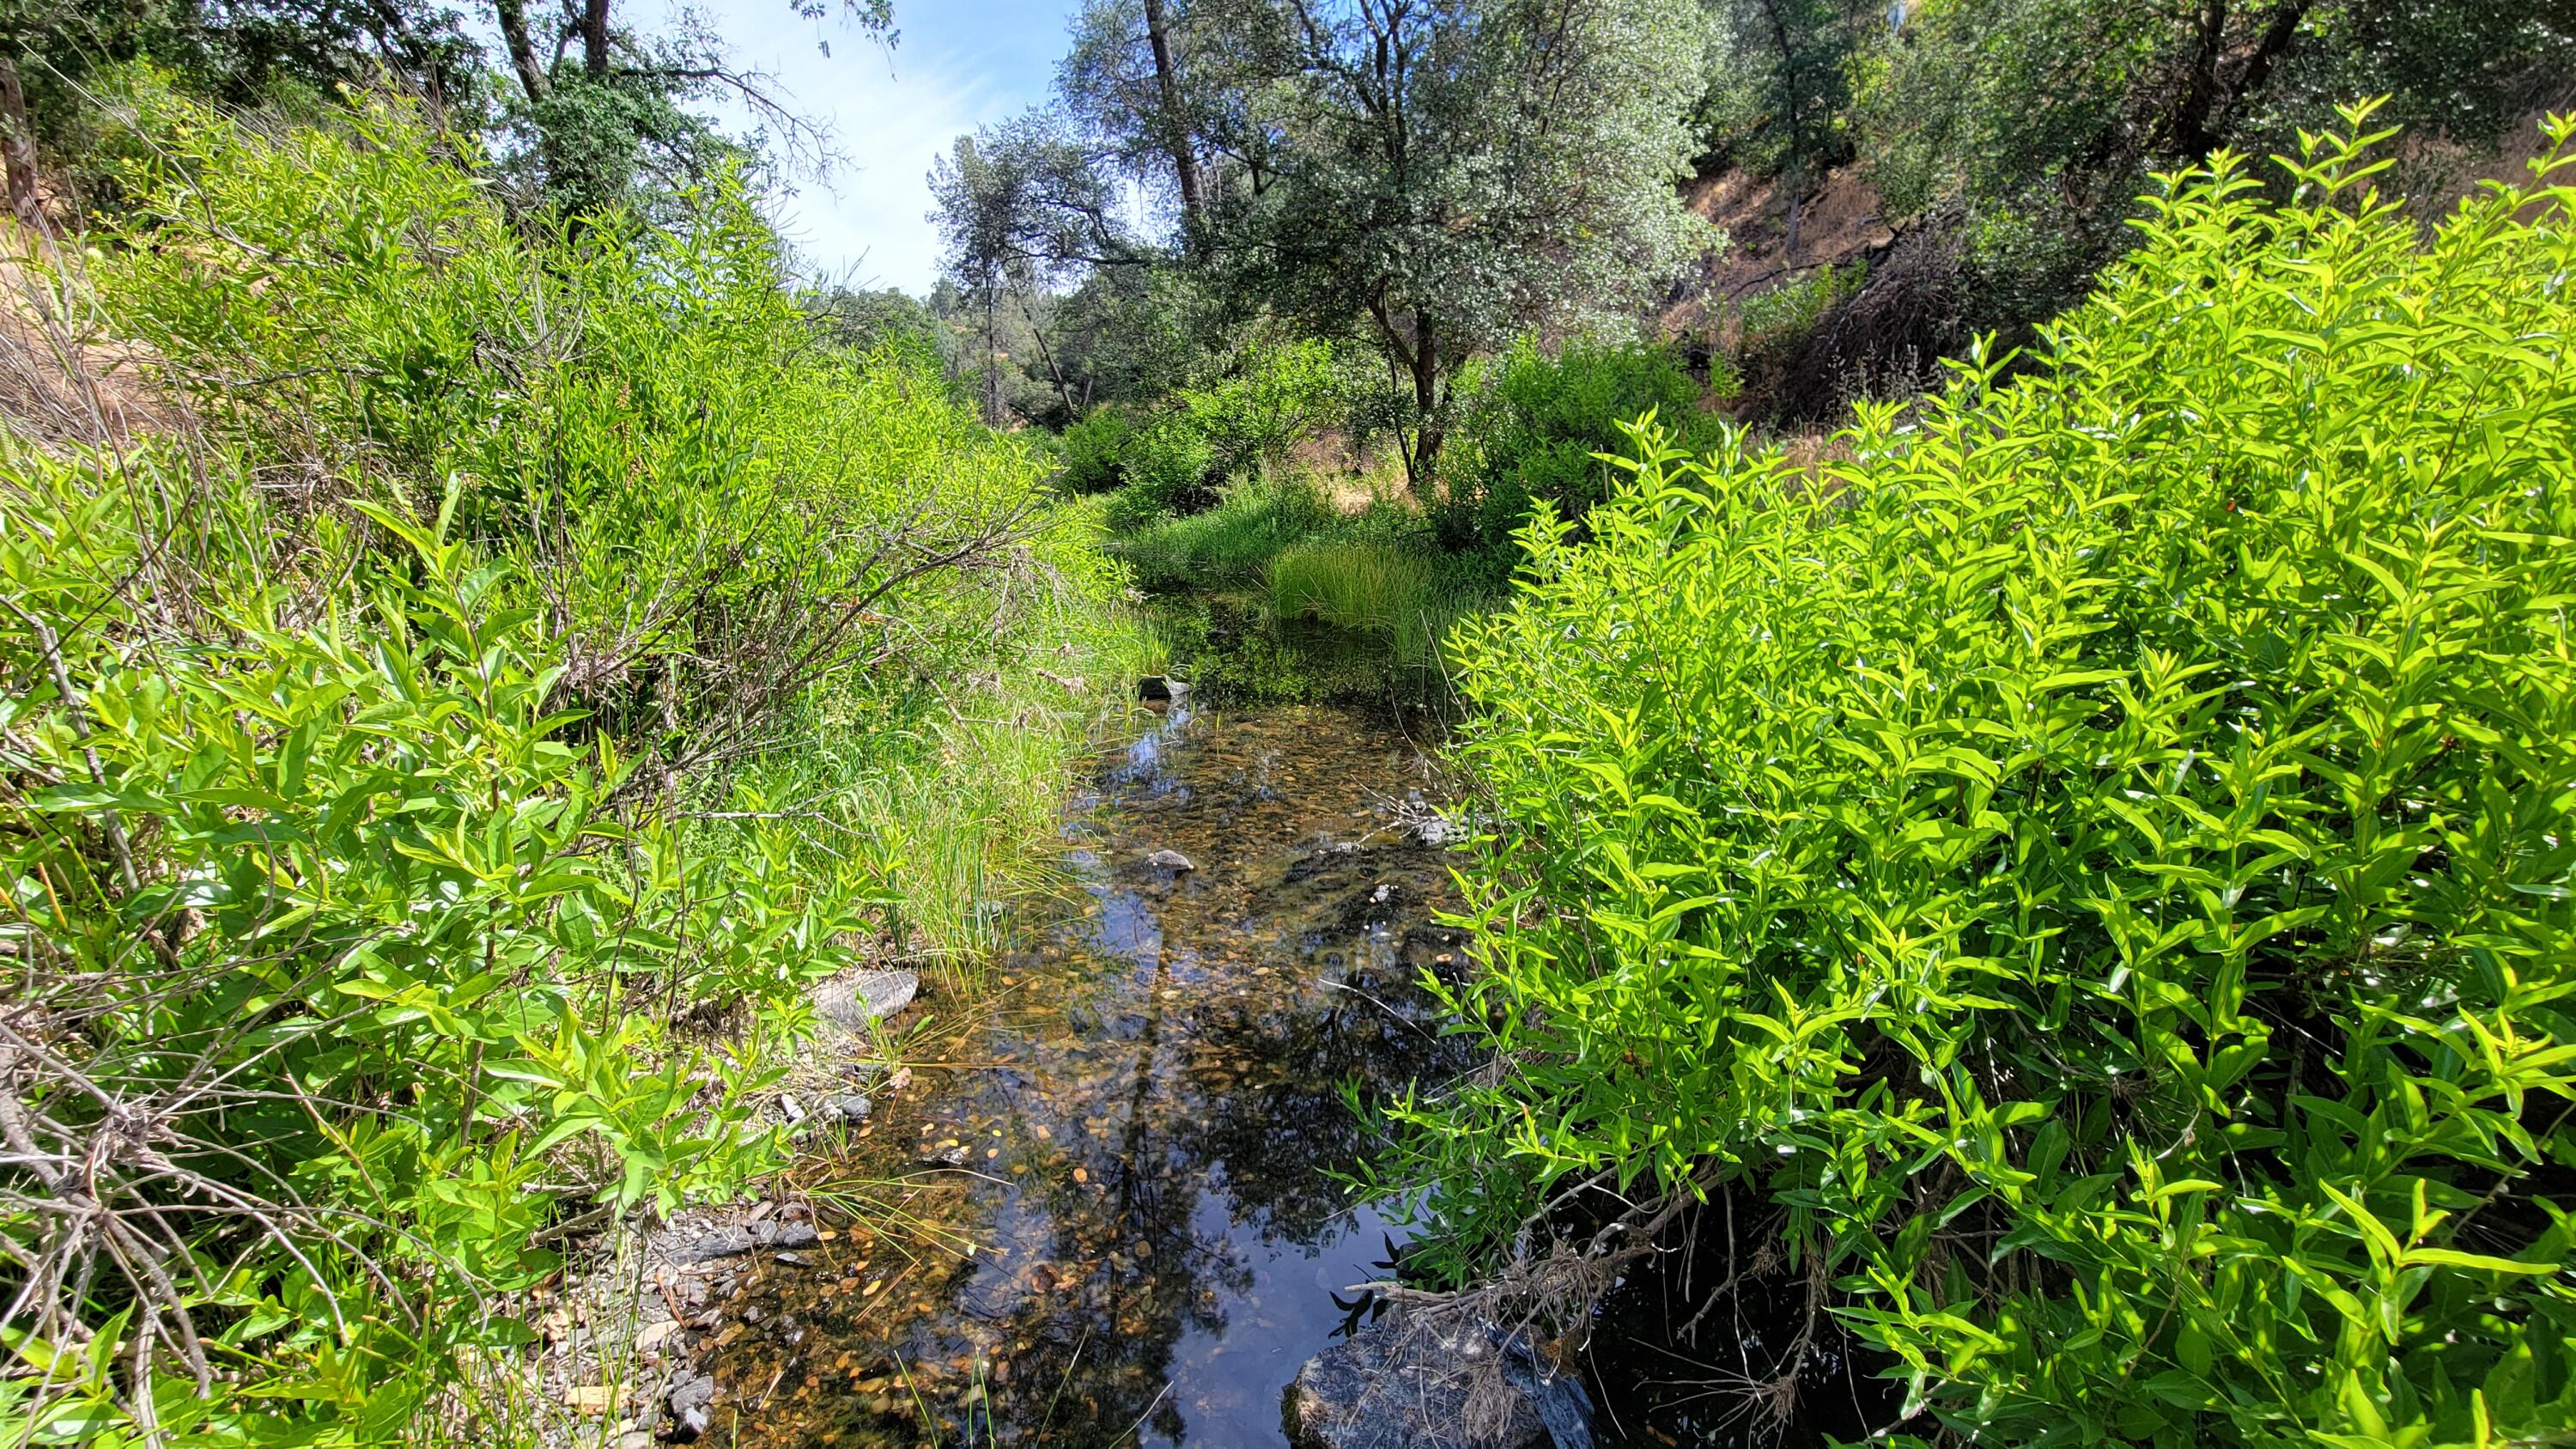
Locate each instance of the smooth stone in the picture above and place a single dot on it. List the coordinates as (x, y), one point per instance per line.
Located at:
(690, 1399)
(1171, 860)
(854, 1002)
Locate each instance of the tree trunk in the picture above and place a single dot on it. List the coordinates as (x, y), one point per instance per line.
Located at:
(594, 37)
(523, 53)
(2277, 38)
(1429, 428)
(1176, 131)
(2187, 130)
(18, 141)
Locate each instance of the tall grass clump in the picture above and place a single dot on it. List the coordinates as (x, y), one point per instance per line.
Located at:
(1231, 545)
(1351, 585)
(2091, 887)
(437, 758)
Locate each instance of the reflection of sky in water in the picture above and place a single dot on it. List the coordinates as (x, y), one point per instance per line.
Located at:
(1226, 1384)
(1160, 1240)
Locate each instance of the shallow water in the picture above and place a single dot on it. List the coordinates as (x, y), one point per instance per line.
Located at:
(1148, 1117)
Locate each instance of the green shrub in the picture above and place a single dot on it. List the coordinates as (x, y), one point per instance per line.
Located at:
(1094, 451)
(426, 797)
(2100, 867)
(1535, 423)
(1240, 425)
(1171, 471)
(1778, 318)
(353, 916)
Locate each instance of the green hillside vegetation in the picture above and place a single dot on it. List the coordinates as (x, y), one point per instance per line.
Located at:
(436, 776)
(2086, 880)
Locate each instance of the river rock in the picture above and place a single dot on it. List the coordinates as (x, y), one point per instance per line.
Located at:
(1416, 1385)
(847, 1107)
(1171, 860)
(689, 1399)
(733, 1242)
(852, 1002)
(722, 1243)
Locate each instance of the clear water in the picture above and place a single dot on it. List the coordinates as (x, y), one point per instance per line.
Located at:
(1151, 1112)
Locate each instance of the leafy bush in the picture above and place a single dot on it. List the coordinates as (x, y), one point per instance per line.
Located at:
(1241, 424)
(2098, 869)
(1534, 424)
(1774, 318)
(1171, 470)
(426, 795)
(1094, 451)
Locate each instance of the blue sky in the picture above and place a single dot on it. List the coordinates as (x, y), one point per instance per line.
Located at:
(957, 66)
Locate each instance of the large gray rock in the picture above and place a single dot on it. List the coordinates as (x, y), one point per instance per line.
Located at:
(852, 1002)
(1420, 1385)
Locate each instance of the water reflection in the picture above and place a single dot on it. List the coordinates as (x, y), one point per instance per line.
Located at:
(1151, 1122)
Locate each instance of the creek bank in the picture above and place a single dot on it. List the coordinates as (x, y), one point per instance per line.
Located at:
(626, 1335)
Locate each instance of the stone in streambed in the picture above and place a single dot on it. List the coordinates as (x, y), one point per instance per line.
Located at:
(852, 1002)
(1415, 1385)
(689, 1401)
(1171, 860)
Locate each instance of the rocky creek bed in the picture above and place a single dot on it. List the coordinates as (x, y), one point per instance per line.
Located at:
(1119, 1220)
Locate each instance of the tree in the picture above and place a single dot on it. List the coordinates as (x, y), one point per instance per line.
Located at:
(1025, 208)
(1790, 77)
(593, 121)
(1452, 174)
(1167, 85)
(2030, 126)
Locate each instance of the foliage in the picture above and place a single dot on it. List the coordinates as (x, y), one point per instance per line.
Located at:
(377, 972)
(2095, 865)
(1780, 314)
(397, 328)
(1231, 545)
(2036, 122)
(1405, 595)
(1430, 181)
(1450, 177)
(1780, 85)
(1241, 423)
(427, 793)
(1094, 451)
(1536, 427)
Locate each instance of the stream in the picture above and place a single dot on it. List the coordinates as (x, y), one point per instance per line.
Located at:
(1130, 1149)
